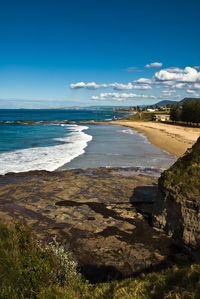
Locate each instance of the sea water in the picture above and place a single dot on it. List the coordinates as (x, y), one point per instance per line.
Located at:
(117, 146)
(25, 147)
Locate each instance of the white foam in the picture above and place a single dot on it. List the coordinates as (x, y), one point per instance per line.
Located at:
(47, 158)
(128, 131)
(132, 132)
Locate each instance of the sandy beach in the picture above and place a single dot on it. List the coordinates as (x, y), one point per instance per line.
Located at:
(171, 138)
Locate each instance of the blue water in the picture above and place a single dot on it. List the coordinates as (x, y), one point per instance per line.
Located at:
(15, 136)
(25, 147)
(56, 114)
(19, 136)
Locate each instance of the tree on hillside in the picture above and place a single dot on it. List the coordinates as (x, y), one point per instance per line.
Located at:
(191, 111)
(176, 113)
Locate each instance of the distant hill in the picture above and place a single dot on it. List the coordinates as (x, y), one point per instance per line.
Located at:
(167, 102)
(107, 107)
(186, 99)
(164, 103)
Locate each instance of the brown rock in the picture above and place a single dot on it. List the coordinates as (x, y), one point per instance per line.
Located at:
(101, 215)
(178, 209)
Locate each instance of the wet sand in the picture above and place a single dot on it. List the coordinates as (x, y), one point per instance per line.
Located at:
(171, 138)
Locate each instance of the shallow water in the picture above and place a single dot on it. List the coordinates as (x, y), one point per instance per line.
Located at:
(118, 146)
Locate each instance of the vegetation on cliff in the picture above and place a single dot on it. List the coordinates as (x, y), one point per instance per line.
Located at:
(26, 267)
(179, 206)
(182, 179)
(141, 116)
(30, 271)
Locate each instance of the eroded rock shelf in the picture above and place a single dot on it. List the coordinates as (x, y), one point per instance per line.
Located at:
(101, 215)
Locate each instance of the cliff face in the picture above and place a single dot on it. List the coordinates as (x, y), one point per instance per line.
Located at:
(178, 206)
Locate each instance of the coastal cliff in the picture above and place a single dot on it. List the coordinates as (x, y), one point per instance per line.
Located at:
(178, 207)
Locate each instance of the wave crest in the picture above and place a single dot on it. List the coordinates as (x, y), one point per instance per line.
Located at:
(47, 158)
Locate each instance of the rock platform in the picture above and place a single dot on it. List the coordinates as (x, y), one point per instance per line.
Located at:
(102, 215)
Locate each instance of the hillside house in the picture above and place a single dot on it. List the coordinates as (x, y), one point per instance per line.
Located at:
(161, 117)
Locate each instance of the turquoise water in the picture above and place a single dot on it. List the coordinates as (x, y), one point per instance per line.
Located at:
(25, 147)
(15, 136)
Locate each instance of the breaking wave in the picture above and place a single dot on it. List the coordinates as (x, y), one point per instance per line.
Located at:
(47, 158)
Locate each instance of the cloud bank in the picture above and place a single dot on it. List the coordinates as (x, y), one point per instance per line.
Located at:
(188, 74)
(121, 96)
(115, 86)
(166, 82)
(187, 79)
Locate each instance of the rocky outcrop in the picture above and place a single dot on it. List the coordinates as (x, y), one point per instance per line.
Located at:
(177, 210)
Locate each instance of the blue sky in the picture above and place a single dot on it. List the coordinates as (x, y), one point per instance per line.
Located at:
(47, 45)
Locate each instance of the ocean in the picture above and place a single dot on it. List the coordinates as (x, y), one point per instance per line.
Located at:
(48, 146)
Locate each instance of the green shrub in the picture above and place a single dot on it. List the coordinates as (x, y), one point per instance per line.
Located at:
(141, 116)
(66, 272)
(24, 267)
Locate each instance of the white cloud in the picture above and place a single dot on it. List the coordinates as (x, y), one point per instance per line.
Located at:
(195, 86)
(120, 86)
(77, 85)
(186, 75)
(90, 85)
(180, 85)
(163, 83)
(168, 91)
(142, 87)
(191, 91)
(143, 81)
(129, 86)
(93, 85)
(121, 96)
(115, 86)
(154, 65)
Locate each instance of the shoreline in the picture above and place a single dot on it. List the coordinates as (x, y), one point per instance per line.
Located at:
(173, 139)
(100, 153)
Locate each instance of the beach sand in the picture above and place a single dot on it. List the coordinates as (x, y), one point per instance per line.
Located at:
(171, 138)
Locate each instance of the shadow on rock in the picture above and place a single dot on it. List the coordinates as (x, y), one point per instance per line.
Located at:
(144, 195)
(143, 200)
(95, 274)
